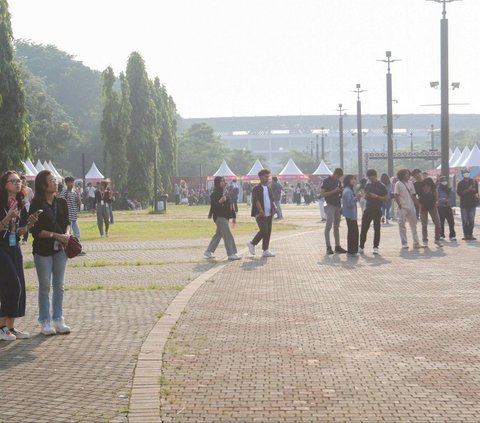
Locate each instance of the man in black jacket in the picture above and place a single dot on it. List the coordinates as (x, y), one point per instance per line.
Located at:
(263, 209)
(467, 190)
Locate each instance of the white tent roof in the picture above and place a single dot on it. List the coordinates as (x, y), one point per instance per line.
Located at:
(453, 157)
(224, 170)
(28, 163)
(55, 171)
(29, 172)
(291, 169)
(39, 166)
(462, 158)
(257, 167)
(322, 169)
(94, 174)
(473, 159)
(45, 165)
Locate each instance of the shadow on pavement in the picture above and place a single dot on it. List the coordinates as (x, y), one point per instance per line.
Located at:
(20, 351)
(250, 263)
(423, 253)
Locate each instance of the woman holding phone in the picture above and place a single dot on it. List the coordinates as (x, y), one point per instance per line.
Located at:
(13, 224)
(50, 237)
(221, 209)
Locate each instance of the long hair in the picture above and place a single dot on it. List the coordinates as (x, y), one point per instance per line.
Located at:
(384, 179)
(347, 181)
(41, 185)
(4, 193)
(216, 183)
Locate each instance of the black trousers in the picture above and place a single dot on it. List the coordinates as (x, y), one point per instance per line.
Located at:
(264, 233)
(352, 236)
(368, 216)
(446, 213)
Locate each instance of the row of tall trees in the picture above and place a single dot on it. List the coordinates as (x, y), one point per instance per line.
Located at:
(139, 119)
(13, 123)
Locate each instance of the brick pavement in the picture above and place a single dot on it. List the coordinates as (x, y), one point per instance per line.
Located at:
(306, 337)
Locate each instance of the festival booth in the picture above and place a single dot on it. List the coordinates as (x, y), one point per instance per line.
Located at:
(224, 171)
(39, 167)
(322, 170)
(29, 173)
(472, 162)
(94, 175)
(462, 158)
(252, 175)
(291, 172)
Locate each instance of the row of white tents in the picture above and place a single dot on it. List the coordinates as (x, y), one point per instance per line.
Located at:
(31, 171)
(464, 158)
(290, 171)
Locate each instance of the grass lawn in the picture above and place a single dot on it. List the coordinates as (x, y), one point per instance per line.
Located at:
(180, 222)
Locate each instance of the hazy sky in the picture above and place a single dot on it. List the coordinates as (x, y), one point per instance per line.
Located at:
(270, 57)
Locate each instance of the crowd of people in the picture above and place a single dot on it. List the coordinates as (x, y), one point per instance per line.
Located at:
(408, 197)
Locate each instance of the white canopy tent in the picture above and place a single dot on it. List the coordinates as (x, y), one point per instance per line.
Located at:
(291, 171)
(39, 166)
(29, 173)
(94, 175)
(253, 173)
(53, 169)
(462, 158)
(473, 159)
(30, 166)
(225, 171)
(322, 170)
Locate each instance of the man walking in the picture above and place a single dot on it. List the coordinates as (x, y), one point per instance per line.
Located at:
(428, 198)
(263, 209)
(404, 193)
(332, 192)
(376, 195)
(467, 190)
(277, 190)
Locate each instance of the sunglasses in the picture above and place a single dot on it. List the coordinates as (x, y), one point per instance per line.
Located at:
(15, 181)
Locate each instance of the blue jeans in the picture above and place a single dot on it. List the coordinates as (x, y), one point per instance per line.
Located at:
(468, 220)
(75, 229)
(279, 209)
(50, 271)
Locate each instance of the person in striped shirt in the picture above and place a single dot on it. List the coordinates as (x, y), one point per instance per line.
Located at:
(73, 202)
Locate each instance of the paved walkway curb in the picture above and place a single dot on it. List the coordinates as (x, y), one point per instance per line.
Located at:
(145, 395)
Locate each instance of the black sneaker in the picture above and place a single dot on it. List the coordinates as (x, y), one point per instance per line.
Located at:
(329, 250)
(340, 250)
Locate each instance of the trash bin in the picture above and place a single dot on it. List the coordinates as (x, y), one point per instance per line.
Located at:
(162, 203)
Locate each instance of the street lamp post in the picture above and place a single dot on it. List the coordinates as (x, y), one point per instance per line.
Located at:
(359, 132)
(323, 143)
(340, 130)
(445, 124)
(317, 148)
(388, 61)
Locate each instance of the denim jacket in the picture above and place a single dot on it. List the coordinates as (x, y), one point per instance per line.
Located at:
(349, 204)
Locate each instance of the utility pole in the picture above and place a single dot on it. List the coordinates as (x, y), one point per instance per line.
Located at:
(388, 61)
(445, 118)
(359, 132)
(323, 143)
(316, 137)
(340, 130)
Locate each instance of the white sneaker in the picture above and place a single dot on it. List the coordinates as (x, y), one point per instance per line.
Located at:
(404, 246)
(6, 335)
(360, 250)
(376, 251)
(234, 257)
(19, 334)
(268, 253)
(251, 248)
(453, 238)
(438, 243)
(60, 326)
(47, 329)
(208, 254)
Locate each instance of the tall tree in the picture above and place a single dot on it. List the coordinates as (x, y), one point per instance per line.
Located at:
(140, 145)
(200, 147)
(115, 128)
(167, 141)
(13, 124)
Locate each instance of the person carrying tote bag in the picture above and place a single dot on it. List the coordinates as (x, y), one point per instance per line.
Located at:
(50, 238)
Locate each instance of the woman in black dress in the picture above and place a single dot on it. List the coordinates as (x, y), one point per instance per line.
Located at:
(13, 224)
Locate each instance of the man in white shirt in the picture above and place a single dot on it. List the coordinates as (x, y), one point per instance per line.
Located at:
(405, 198)
(263, 209)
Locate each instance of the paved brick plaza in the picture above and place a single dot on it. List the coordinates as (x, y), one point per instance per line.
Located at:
(298, 338)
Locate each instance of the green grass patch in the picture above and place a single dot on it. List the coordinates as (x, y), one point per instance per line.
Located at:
(30, 264)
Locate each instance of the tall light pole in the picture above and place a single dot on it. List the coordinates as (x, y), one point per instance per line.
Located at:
(388, 61)
(317, 148)
(359, 132)
(340, 130)
(445, 124)
(323, 143)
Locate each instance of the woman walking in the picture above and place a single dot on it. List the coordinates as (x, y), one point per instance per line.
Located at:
(50, 238)
(349, 210)
(221, 210)
(13, 225)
